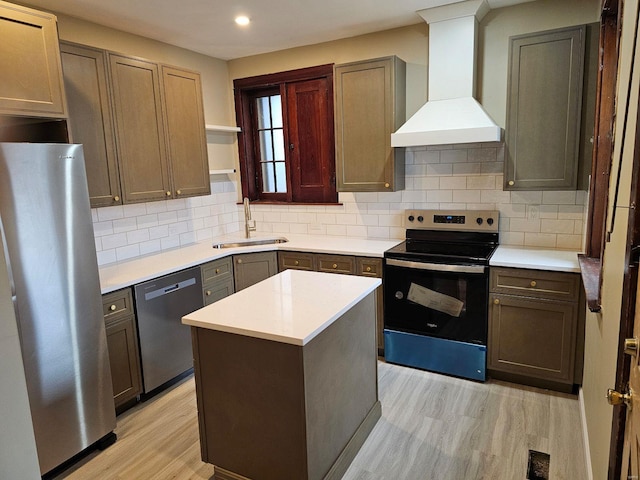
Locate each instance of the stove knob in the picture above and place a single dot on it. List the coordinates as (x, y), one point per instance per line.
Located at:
(411, 218)
(490, 221)
(479, 221)
(421, 218)
(399, 295)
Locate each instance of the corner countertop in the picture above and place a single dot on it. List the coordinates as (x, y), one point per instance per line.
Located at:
(290, 307)
(130, 272)
(536, 259)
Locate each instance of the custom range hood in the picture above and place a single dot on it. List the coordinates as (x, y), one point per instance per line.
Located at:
(451, 114)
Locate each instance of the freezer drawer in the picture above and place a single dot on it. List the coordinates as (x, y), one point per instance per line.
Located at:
(165, 343)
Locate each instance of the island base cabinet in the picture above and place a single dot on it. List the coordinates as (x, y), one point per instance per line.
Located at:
(269, 410)
(533, 338)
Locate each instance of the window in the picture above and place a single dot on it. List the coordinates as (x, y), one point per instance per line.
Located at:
(287, 152)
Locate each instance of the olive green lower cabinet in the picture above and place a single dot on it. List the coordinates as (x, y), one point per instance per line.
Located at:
(217, 280)
(122, 344)
(250, 268)
(536, 328)
(345, 264)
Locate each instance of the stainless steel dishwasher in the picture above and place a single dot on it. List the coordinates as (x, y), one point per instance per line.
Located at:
(165, 343)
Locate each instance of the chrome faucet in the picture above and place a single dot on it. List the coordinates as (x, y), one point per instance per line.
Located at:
(249, 225)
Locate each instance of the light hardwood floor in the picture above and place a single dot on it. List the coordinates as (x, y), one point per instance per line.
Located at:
(432, 427)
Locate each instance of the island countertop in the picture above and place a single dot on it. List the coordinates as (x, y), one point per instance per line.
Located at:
(292, 307)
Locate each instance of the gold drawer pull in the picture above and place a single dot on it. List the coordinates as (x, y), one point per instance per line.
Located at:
(217, 270)
(496, 301)
(112, 308)
(208, 292)
(296, 263)
(239, 260)
(168, 194)
(179, 192)
(533, 283)
(335, 265)
(511, 183)
(368, 269)
(116, 198)
(386, 185)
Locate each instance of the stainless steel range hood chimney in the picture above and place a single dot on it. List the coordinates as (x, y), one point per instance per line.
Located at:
(451, 114)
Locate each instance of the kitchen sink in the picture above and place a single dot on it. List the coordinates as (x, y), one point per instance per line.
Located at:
(250, 242)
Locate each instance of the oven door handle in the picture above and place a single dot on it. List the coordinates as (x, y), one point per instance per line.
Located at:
(437, 267)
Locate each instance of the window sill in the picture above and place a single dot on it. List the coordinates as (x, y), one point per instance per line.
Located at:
(590, 273)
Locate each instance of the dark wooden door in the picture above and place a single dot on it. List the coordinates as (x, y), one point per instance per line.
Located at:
(311, 146)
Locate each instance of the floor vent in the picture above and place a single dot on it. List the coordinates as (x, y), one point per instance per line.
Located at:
(538, 468)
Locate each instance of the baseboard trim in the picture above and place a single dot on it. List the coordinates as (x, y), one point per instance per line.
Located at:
(585, 434)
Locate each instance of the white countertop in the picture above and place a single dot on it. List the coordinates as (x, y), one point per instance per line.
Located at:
(124, 274)
(536, 259)
(292, 307)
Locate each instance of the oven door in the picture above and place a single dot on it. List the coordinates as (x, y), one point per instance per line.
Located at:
(445, 301)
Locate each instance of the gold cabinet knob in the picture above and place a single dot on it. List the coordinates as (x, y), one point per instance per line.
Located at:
(179, 192)
(533, 283)
(239, 260)
(217, 270)
(386, 185)
(511, 182)
(296, 263)
(617, 398)
(496, 301)
(208, 293)
(168, 194)
(368, 269)
(335, 265)
(112, 308)
(631, 346)
(116, 198)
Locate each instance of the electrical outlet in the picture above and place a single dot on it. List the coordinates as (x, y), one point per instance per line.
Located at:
(533, 212)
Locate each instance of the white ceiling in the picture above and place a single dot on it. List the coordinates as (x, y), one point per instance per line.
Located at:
(207, 26)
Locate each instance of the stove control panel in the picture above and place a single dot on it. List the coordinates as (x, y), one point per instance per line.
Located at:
(462, 220)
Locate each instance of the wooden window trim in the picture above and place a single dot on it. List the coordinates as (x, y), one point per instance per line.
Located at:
(244, 90)
(591, 262)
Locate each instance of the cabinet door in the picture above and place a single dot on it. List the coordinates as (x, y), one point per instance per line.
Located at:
(251, 268)
(544, 109)
(372, 267)
(140, 136)
(369, 107)
(532, 337)
(123, 359)
(214, 291)
(85, 78)
(30, 63)
(186, 140)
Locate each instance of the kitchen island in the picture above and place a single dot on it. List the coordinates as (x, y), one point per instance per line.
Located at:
(286, 376)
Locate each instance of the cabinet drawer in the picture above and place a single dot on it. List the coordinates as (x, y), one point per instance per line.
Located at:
(369, 267)
(116, 305)
(296, 260)
(214, 291)
(535, 283)
(336, 263)
(217, 270)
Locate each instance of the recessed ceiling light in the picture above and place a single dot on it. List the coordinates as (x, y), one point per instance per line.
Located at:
(242, 20)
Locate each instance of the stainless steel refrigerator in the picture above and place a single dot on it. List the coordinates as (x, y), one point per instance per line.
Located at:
(47, 233)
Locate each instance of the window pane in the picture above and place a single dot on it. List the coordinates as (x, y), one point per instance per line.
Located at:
(264, 112)
(281, 179)
(268, 178)
(278, 144)
(276, 111)
(266, 146)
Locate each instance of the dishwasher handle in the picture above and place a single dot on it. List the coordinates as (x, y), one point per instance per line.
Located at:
(158, 292)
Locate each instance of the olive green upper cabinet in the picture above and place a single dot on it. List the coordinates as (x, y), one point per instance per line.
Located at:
(30, 63)
(544, 109)
(186, 137)
(369, 107)
(86, 84)
(140, 133)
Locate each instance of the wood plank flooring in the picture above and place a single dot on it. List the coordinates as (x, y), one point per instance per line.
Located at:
(432, 427)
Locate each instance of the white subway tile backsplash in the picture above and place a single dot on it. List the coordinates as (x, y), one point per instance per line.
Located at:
(450, 176)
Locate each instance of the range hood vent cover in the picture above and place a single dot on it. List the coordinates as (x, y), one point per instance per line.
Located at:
(451, 114)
